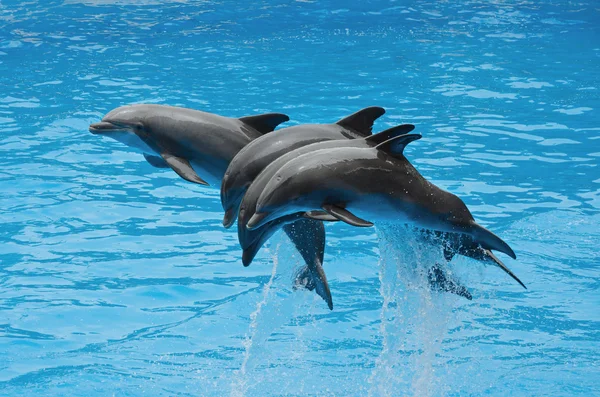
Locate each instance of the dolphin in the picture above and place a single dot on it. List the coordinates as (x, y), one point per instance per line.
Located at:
(252, 240)
(378, 183)
(197, 145)
(308, 235)
(255, 156)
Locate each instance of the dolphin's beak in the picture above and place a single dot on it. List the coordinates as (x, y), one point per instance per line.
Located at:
(257, 220)
(229, 218)
(104, 127)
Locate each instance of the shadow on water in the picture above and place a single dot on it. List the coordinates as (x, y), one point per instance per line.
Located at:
(414, 319)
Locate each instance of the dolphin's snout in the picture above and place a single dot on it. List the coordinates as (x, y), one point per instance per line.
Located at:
(102, 127)
(257, 220)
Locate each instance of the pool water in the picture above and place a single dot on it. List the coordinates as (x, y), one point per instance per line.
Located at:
(118, 279)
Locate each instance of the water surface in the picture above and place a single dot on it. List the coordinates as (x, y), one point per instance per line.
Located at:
(118, 279)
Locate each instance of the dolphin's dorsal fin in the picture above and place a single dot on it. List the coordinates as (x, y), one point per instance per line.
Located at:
(362, 121)
(264, 123)
(390, 133)
(345, 216)
(183, 168)
(396, 145)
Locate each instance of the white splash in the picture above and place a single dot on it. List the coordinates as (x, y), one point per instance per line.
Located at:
(273, 310)
(414, 320)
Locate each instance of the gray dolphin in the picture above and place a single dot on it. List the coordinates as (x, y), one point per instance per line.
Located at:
(376, 183)
(255, 156)
(308, 235)
(197, 145)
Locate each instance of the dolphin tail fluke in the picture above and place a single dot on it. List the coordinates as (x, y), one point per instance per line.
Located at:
(490, 257)
(314, 278)
(490, 241)
(265, 123)
(440, 280)
(308, 236)
(304, 279)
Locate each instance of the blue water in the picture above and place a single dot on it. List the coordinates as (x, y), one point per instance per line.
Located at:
(118, 279)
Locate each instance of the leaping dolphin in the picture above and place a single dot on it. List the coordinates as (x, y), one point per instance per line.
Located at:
(197, 145)
(308, 235)
(255, 156)
(378, 183)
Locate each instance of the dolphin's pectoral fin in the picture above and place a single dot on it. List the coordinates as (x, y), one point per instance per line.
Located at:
(362, 121)
(390, 133)
(264, 123)
(156, 161)
(315, 279)
(320, 216)
(345, 216)
(395, 145)
(183, 168)
(439, 280)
